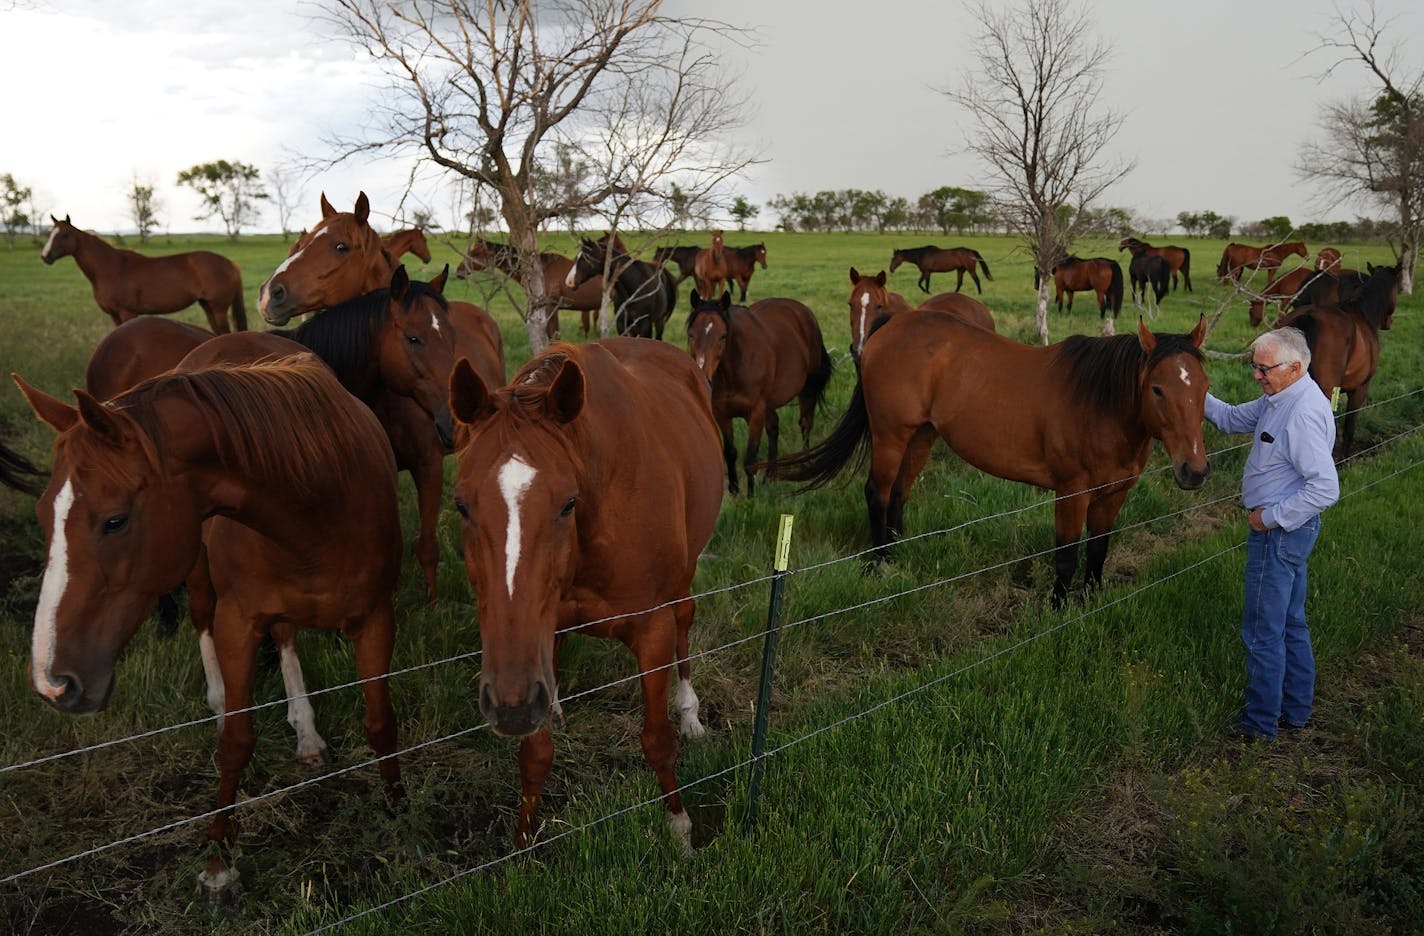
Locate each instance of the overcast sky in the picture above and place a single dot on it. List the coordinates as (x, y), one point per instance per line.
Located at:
(1217, 94)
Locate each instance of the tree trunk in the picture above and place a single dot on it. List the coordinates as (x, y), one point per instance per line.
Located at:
(1408, 257)
(1043, 285)
(536, 316)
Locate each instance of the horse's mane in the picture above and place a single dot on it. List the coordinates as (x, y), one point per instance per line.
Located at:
(914, 253)
(342, 335)
(285, 422)
(1372, 301)
(1104, 374)
(711, 307)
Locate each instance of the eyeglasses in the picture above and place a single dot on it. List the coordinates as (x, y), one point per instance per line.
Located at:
(1264, 369)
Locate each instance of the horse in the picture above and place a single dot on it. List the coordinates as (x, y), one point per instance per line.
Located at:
(741, 264)
(1327, 259)
(589, 449)
(643, 292)
(710, 267)
(1287, 290)
(1077, 418)
(932, 259)
(758, 359)
(1145, 270)
(870, 300)
(1238, 257)
(1100, 274)
(683, 257)
(298, 488)
(1178, 258)
(409, 241)
(485, 254)
(1345, 345)
(128, 284)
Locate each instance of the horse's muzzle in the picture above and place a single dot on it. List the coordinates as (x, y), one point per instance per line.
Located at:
(1188, 478)
(273, 305)
(76, 698)
(520, 718)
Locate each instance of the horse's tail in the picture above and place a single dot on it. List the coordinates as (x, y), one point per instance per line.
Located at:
(983, 265)
(820, 377)
(18, 473)
(1306, 323)
(820, 463)
(239, 310)
(1224, 266)
(1115, 289)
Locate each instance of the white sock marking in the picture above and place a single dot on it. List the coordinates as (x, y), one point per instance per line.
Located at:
(56, 579)
(687, 705)
(311, 749)
(515, 476)
(216, 692)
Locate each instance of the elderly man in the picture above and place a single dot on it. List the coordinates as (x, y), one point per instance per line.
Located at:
(1289, 479)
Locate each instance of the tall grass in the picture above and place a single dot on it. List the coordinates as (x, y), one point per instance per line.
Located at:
(965, 803)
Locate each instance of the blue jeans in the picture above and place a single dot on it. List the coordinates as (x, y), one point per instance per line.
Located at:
(1280, 668)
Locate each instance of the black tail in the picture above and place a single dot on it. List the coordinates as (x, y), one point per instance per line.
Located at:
(1115, 289)
(1307, 326)
(819, 379)
(820, 463)
(984, 265)
(239, 311)
(16, 471)
(1187, 269)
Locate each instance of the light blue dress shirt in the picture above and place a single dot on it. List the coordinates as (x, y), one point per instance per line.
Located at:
(1290, 473)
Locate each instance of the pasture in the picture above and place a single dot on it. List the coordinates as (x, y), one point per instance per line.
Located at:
(1036, 769)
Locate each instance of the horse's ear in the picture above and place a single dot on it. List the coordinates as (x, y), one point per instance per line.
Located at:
(726, 302)
(51, 410)
(1369, 267)
(1145, 337)
(326, 209)
(438, 284)
(66, 220)
(880, 278)
(696, 298)
(565, 397)
(363, 208)
(400, 283)
(470, 399)
(1198, 335)
(108, 425)
(854, 276)
(54, 219)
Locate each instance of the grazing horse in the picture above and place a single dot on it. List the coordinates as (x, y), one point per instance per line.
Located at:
(409, 241)
(684, 258)
(1238, 257)
(643, 292)
(1077, 418)
(741, 264)
(932, 259)
(589, 488)
(1328, 260)
(588, 298)
(1100, 274)
(128, 284)
(870, 300)
(710, 267)
(1345, 345)
(1178, 258)
(297, 486)
(757, 360)
(1146, 269)
(1288, 291)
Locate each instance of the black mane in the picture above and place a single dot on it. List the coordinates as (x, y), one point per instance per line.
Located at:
(1104, 374)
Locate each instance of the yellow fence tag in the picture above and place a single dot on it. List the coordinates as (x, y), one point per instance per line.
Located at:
(783, 543)
(1335, 400)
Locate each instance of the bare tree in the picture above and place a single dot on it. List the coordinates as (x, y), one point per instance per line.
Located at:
(143, 207)
(490, 90)
(285, 183)
(1041, 131)
(1373, 151)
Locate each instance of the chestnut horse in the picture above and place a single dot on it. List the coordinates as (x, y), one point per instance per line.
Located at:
(1328, 259)
(298, 487)
(1077, 418)
(588, 490)
(128, 284)
(1178, 258)
(409, 241)
(1238, 257)
(757, 360)
(710, 267)
(1287, 290)
(588, 298)
(1345, 345)
(643, 292)
(741, 264)
(1100, 274)
(870, 300)
(932, 259)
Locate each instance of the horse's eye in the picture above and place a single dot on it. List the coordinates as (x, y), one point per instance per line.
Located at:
(343, 247)
(462, 509)
(568, 508)
(414, 339)
(1157, 392)
(115, 524)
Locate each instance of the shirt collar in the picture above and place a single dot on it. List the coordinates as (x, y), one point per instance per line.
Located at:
(1292, 392)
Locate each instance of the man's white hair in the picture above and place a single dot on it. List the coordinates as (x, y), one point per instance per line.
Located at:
(1289, 345)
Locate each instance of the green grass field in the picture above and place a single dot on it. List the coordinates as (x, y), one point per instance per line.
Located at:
(1043, 771)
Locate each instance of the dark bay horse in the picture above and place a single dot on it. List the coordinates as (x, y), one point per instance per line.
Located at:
(1146, 270)
(1077, 418)
(870, 300)
(588, 490)
(709, 269)
(932, 259)
(409, 241)
(682, 257)
(758, 359)
(128, 284)
(643, 293)
(297, 486)
(1345, 344)
(1179, 259)
(741, 264)
(1100, 274)
(586, 299)
(1238, 257)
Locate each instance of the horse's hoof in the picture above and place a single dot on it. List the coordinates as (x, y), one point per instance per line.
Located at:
(692, 728)
(314, 757)
(681, 826)
(219, 885)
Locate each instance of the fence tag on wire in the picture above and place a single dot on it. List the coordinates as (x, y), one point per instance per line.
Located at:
(783, 543)
(1335, 400)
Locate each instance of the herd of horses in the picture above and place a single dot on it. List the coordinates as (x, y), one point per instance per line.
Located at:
(259, 468)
